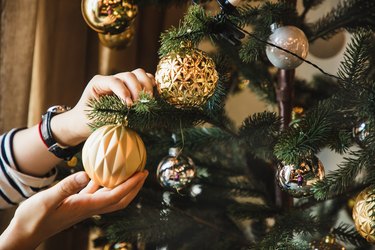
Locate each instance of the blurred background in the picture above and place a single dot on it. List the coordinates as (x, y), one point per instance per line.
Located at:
(48, 54)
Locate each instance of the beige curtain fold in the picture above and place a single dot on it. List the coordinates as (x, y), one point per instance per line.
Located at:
(17, 35)
(47, 56)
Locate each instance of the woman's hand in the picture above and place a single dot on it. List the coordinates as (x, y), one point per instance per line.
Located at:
(63, 205)
(71, 128)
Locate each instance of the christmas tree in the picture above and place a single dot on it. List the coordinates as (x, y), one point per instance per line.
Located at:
(259, 186)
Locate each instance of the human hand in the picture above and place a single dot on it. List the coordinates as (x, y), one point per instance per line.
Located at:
(71, 128)
(68, 202)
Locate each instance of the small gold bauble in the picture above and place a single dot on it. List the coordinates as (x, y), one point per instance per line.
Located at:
(109, 16)
(112, 154)
(327, 243)
(186, 78)
(298, 179)
(72, 162)
(362, 211)
(118, 41)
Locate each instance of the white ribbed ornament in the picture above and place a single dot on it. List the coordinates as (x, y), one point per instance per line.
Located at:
(112, 154)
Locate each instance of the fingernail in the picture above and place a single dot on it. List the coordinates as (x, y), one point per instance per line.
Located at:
(129, 101)
(81, 178)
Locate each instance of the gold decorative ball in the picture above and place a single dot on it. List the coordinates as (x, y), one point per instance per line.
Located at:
(327, 243)
(186, 78)
(117, 41)
(109, 16)
(298, 179)
(112, 154)
(362, 211)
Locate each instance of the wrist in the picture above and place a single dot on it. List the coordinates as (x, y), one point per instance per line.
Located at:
(16, 236)
(67, 129)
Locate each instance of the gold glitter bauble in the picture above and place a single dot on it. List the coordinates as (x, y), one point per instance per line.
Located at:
(109, 16)
(112, 154)
(118, 41)
(327, 243)
(186, 78)
(361, 215)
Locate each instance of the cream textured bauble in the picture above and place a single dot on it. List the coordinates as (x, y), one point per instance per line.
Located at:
(362, 210)
(112, 154)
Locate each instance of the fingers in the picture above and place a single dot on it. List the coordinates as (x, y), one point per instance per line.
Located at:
(125, 201)
(114, 196)
(65, 188)
(91, 188)
(126, 85)
(102, 85)
(131, 82)
(138, 80)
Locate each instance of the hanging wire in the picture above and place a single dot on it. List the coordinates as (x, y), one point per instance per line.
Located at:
(289, 52)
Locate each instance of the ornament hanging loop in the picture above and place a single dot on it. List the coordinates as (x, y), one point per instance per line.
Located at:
(125, 121)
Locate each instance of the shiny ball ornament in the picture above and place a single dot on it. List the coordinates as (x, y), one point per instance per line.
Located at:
(112, 154)
(119, 246)
(118, 41)
(362, 210)
(327, 243)
(298, 179)
(186, 78)
(175, 171)
(360, 131)
(289, 38)
(109, 16)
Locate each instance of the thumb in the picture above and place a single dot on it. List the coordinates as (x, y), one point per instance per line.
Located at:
(67, 187)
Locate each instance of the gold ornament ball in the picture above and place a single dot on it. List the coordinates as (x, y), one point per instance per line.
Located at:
(109, 16)
(362, 211)
(112, 154)
(186, 78)
(117, 41)
(298, 179)
(327, 243)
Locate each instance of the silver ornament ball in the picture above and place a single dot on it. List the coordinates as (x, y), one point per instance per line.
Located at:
(361, 130)
(292, 39)
(175, 171)
(298, 179)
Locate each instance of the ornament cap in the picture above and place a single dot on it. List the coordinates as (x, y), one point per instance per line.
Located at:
(174, 151)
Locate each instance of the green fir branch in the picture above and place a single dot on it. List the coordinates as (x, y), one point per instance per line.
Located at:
(355, 65)
(259, 131)
(287, 227)
(194, 27)
(349, 15)
(249, 210)
(307, 138)
(338, 181)
(349, 235)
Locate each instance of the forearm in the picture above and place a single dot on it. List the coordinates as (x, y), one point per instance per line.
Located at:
(15, 237)
(32, 155)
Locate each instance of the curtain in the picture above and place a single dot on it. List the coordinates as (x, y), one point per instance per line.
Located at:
(47, 56)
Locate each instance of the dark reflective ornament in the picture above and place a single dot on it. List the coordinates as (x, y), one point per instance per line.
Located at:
(298, 179)
(175, 171)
